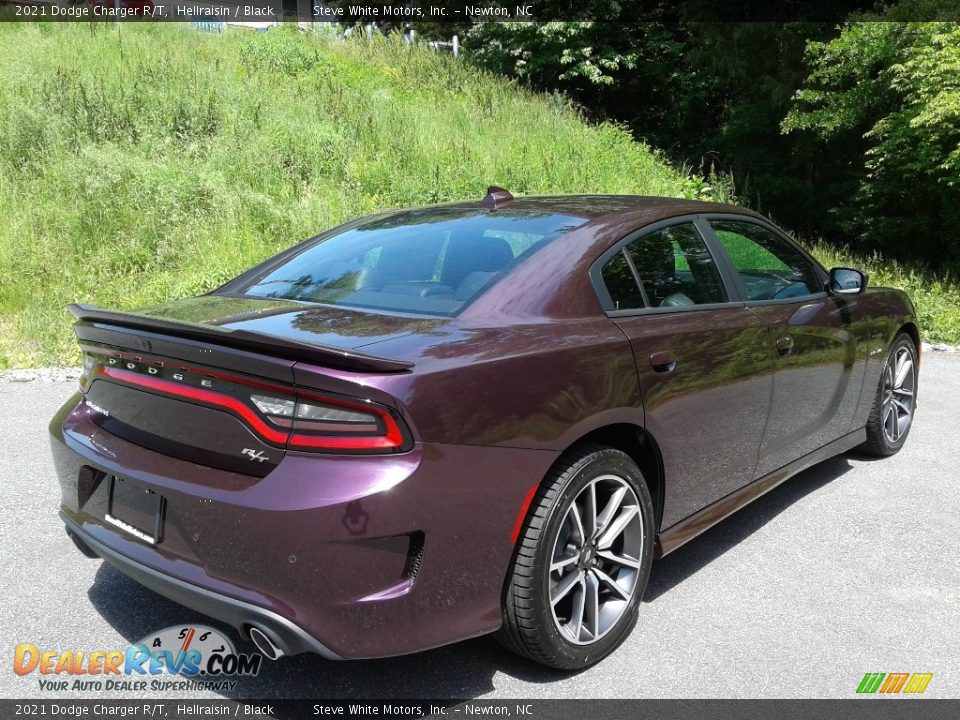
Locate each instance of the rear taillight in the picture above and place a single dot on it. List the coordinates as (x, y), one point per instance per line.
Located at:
(299, 421)
(324, 423)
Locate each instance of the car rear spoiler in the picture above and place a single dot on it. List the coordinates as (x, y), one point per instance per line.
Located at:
(241, 339)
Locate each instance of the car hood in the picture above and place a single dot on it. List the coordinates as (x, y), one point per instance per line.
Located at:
(294, 320)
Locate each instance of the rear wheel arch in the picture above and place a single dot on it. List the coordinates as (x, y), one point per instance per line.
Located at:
(633, 440)
(637, 443)
(640, 446)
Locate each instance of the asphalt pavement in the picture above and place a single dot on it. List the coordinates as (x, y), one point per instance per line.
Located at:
(850, 567)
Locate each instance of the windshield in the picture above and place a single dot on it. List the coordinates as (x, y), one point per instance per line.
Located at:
(433, 260)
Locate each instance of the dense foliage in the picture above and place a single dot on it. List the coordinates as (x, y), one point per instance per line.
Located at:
(895, 88)
(847, 132)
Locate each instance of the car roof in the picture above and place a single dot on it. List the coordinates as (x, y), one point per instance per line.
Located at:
(602, 206)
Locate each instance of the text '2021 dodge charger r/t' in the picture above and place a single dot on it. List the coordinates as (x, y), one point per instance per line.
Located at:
(431, 424)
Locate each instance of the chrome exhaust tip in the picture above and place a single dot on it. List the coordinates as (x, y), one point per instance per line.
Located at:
(264, 644)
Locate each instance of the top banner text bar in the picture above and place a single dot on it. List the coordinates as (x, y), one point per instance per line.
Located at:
(407, 13)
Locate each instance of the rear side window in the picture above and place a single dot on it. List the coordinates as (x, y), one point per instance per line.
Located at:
(621, 284)
(673, 268)
(431, 261)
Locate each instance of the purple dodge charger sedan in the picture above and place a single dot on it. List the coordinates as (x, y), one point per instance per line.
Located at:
(430, 424)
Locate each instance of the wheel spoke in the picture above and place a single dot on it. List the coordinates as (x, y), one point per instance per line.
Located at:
(894, 423)
(902, 424)
(613, 504)
(620, 560)
(578, 610)
(605, 579)
(903, 391)
(590, 510)
(578, 524)
(617, 526)
(591, 609)
(563, 562)
(903, 369)
(566, 584)
(902, 405)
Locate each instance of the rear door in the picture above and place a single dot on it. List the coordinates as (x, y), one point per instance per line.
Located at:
(703, 359)
(817, 378)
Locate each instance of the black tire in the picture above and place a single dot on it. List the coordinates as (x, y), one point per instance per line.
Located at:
(880, 441)
(531, 627)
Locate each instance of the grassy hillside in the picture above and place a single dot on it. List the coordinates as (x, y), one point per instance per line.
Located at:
(143, 163)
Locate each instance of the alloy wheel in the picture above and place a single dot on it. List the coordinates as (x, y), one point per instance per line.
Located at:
(899, 387)
(596, 560)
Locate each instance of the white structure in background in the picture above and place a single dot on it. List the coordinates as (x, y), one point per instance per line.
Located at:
(453, 45)
(258, 26)
(306, 20)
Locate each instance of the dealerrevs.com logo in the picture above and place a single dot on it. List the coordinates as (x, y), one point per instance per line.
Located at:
(199, 657)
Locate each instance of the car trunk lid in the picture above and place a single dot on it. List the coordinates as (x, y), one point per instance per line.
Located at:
(214, 382)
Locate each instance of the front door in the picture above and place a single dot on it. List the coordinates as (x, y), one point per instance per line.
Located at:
(817, 377)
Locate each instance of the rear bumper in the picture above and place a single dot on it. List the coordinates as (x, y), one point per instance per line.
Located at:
(290, 638)
(346, 556)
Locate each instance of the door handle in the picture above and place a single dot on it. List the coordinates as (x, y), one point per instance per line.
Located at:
(785, 345)
(664, 361)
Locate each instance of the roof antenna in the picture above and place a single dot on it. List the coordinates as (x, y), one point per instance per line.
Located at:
(497, 196)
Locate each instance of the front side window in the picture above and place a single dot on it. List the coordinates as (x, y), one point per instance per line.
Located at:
(673, 268)
(769, 266)
(431, 261)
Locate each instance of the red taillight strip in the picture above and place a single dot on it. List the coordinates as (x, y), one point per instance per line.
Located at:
(207, 397)
(392, 440)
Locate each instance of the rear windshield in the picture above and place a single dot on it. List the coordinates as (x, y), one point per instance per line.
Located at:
(431, 261)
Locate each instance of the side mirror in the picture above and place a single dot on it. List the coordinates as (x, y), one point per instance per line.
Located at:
(847, 281)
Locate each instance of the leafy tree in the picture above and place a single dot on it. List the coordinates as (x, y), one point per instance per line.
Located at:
(710, 94)
(605, 66)
(864, 153)
(894, 90)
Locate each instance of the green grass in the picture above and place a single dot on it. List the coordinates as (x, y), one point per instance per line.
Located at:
(142, 163)
(936, 296)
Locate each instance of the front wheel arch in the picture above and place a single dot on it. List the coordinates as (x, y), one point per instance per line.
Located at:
(911, 329)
